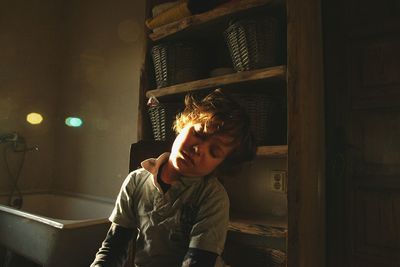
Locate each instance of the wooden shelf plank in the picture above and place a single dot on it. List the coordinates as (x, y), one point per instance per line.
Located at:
(223, 10)
(277, 72)
(278, 257)
(269, 226)
(272, 151)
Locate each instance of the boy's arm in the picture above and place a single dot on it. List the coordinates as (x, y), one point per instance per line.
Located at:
(114, 248)
(208, 233)
(199, 258)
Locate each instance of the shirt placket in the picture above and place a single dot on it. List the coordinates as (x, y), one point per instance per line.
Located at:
(165, 206)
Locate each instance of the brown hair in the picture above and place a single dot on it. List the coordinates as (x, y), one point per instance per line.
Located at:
(220, 112)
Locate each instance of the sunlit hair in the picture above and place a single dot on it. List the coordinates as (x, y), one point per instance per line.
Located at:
(221, 114)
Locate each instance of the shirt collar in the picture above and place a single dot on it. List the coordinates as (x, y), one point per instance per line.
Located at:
(152, 165)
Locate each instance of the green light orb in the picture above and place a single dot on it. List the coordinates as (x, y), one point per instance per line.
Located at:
(73, 122)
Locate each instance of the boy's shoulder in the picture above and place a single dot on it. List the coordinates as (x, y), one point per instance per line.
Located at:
(139, 176)
(213, 181)
(214, 186)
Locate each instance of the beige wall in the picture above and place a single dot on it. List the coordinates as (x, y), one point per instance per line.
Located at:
(29, 81)
(251, 188)
(71, 58)
(104, 46)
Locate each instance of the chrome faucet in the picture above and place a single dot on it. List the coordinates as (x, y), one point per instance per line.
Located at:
(16, 139)
(9, 138)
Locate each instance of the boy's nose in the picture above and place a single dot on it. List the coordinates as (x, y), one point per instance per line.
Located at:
(198, 149)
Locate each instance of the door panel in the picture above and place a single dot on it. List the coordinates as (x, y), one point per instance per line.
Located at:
(373, 193)
(373, 131)
(374, 71)
(362, 56)
(376, 229)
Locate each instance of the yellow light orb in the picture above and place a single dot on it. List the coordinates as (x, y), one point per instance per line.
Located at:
(34, 118)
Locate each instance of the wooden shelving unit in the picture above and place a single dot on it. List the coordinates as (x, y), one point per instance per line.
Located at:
(223, 11)
(268, 74)
(272, 151)
(301, 77)
(261, 241)
(267, 226)
(282, 79)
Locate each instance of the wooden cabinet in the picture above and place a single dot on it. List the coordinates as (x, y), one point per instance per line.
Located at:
(363, 89)
(294, 236)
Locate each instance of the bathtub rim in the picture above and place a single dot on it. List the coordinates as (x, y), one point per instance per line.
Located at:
(54, 222)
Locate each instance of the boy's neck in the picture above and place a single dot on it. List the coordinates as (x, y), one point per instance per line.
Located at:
(169, 173)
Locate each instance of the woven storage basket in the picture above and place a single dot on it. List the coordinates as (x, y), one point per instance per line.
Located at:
(260, 108)
(254, 43)
(161, 118)
(177, 63)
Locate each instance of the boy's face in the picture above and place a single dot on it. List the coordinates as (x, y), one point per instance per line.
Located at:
(197, 152)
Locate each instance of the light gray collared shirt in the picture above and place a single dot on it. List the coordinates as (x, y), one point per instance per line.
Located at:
(193, 213)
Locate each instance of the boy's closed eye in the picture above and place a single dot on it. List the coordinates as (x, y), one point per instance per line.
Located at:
(216, 151)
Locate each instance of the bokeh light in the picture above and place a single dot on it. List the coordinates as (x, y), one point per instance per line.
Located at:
(34, 118)
(73, 122)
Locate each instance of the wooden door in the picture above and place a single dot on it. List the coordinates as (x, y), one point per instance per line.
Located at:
(362, 57)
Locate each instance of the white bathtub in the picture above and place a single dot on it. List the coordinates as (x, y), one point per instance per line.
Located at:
(55, 229)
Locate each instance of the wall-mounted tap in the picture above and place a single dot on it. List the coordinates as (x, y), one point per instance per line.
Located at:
(18, 142)
(27, 149)
(34, 148)
(9, 138)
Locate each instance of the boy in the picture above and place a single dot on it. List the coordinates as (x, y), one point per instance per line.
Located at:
(174, 206)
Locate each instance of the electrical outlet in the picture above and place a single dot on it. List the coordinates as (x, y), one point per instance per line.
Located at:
(278, 181)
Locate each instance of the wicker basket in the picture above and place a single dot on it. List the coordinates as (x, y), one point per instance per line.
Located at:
(261, 109)
(161, 119)
(177, 63)
(254, 43)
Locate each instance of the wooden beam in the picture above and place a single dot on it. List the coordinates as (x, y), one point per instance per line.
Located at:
(306, 136)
